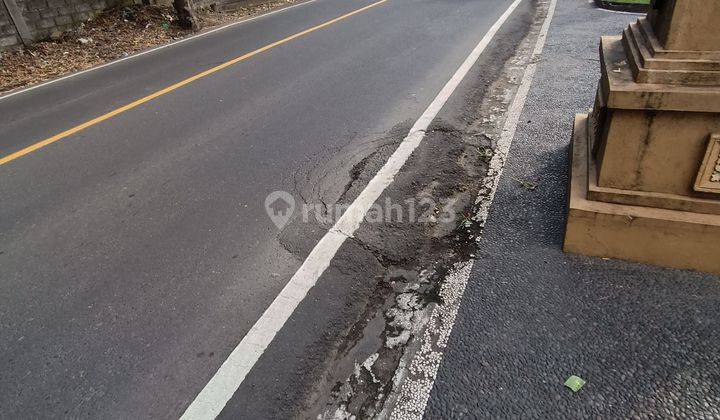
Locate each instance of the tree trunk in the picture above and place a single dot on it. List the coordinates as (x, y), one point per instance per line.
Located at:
(186, 14)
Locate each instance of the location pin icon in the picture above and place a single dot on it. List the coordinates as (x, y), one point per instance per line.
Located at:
(279, 205)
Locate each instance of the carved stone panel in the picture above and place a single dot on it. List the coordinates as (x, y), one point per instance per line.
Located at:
(708, 179)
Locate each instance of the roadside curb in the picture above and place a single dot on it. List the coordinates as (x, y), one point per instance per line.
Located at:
(622, 7)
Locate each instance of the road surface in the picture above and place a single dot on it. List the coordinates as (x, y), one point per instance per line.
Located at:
(135, 251)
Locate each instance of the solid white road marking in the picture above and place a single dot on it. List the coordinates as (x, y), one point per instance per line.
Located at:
(415, 391)
(151, 50)
(212, 399)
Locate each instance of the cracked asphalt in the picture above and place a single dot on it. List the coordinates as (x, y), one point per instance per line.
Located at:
(644, 338)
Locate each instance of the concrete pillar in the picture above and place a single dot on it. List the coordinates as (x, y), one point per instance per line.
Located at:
(646, 162)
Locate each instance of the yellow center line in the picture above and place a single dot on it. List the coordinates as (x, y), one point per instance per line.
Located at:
(97, 120)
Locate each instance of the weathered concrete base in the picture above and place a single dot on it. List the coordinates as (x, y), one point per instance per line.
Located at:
(642, 234)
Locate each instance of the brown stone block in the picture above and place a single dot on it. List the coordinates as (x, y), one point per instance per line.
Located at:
(623, 92)
(654, 151)
(656, 236)
(647, 199)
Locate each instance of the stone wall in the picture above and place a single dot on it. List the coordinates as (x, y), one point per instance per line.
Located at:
(43, 18)
(35, 20)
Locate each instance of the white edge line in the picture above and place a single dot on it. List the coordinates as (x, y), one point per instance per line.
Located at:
(212, 398)
(151, 50)
(417, 392)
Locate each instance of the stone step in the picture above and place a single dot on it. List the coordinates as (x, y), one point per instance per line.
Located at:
(658, 51)
(622, 91)
(643, 73)
(640, 39)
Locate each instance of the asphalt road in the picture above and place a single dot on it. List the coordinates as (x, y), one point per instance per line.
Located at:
(136, 253)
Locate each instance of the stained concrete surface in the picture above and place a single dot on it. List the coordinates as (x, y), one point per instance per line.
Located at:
(645, 338)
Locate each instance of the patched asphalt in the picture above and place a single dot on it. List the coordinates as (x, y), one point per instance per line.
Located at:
(644, 338)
